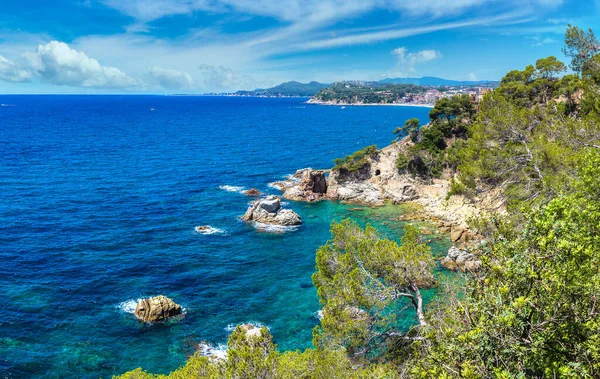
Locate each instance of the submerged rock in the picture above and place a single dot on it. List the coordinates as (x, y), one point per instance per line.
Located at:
(252, 192)
(157, 308)
(269, 211)
(460, 260)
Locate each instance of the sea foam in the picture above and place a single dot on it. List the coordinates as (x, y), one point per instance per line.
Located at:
(231, 327)
(238, 189)
(279, 229)
(208, 231)
(128, 306)
(217, 352)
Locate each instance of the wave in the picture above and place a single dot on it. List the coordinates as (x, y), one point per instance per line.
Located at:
(217, 352)
(128, 306)
(208, 230)
(238, 189)
(231, 327)
(318, 314)
(269, 228)
(7, 105)
(275, 185)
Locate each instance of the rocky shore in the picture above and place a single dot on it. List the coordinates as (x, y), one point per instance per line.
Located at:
(379, 182)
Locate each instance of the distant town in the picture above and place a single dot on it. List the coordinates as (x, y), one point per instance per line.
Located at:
(402, 91)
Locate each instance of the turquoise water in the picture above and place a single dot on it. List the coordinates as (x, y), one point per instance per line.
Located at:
(100, 197)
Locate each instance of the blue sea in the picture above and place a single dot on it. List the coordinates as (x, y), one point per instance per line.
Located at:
(99, 199)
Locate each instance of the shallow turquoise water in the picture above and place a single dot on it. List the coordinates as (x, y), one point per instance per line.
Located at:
(100, 197)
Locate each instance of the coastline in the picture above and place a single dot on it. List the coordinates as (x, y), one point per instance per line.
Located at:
(317, 102)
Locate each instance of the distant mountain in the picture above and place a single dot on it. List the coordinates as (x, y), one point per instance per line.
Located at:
(287, 89)
(433, 81)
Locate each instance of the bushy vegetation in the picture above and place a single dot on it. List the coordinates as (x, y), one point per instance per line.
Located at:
(356, 160)
(449, 121)
(533, 311)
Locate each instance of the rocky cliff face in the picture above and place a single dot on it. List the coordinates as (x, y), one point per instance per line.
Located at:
(379, 181)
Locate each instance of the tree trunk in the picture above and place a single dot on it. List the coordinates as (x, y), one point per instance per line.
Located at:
(417, 301)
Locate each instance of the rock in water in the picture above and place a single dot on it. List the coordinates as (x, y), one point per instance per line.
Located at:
(252, 192)
(269, 211)
(157, 308)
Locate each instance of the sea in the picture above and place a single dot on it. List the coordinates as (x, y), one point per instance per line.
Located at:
(100, 197)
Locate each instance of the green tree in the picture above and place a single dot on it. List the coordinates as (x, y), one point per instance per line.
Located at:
(411, 126)
(580, 46)
(534, 312)
(549, 67)
(363, 282)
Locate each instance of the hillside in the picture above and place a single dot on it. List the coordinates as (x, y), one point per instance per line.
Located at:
(365, 93)
(287, 89)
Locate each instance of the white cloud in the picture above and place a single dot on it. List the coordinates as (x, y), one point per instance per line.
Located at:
(408, 61)
(222, 78)
(171, 79)
(58, 64)
(298, 10)
(12, 72)
(538, 41)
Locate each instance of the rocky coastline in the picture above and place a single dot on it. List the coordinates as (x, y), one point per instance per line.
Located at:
(378, 182)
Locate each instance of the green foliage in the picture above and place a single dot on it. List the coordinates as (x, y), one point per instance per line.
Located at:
(411, 127)
(364, 282)
(534, 312)
(580, 46)
(450, 119)
(356, 160)
(534, 85)
(549, 67)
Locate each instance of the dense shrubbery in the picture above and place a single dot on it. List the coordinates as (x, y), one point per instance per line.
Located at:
(356, 160)
(449, 120)
(534, 309)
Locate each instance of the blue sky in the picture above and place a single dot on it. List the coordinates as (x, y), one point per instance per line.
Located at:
(197, 46)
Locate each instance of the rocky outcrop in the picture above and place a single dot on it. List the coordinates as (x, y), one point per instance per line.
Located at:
(252, 192)
(269, 211)
(461, 260)
(157, 308)
(378, 181)
(306, 185)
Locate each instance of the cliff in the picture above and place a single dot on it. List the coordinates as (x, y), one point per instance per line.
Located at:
(378, 181)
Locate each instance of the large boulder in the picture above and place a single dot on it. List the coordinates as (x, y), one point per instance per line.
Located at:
(460, 260)
(157, 308)
(269, 211)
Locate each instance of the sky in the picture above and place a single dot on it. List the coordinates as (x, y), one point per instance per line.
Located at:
(200, 46)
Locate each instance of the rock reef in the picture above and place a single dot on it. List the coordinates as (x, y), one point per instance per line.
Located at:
(269, 211)
(154, 309)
